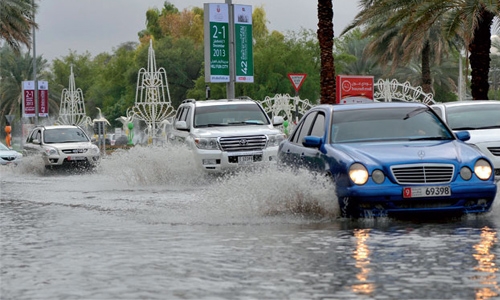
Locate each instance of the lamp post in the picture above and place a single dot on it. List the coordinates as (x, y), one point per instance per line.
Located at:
(34, 65)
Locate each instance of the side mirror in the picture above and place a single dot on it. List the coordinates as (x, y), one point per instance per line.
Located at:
(181, 125)
(278, 120)
(312, 141)
(36, 141)
(462, 135)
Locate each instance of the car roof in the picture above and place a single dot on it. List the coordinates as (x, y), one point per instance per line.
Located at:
(220, 102)
(57, 126)
(370, 105)
(468, 102)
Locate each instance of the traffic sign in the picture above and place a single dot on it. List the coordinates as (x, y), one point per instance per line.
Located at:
(297, 80)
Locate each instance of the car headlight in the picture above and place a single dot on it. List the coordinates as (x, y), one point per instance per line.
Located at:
(378, 176)
(358, 174)
(94, 150)
(465, 173)
(50, 151)
(206, 143)
(274, 140)
(482, 169)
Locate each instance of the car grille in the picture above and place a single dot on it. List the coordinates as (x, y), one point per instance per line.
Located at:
(74, 151)
(243, 143)
(494, 150)
(423, 173)
(8, 158)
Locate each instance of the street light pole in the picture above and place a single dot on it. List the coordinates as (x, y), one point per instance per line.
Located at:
(34, 64)
(230, 85)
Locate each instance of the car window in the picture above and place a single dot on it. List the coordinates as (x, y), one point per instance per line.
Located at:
(402, 123)
(305, 127)
(64, 135)
(473, 116)
(230, 114)
(318, 128)
(35, 134)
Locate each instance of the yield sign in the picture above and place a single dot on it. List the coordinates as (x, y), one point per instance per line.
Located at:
(297, 80)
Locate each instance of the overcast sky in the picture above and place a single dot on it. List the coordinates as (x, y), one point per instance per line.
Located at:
(101, 25)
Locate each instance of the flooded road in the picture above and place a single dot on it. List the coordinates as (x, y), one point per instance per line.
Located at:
(147, 225)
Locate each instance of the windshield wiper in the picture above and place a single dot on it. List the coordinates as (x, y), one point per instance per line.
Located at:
(211, 125)
(415, 112)
(430, 138)
(247, 122)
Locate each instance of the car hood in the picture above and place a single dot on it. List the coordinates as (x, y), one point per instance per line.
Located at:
(235, 130)
(410, 152)
(484, 136)
(77, 145)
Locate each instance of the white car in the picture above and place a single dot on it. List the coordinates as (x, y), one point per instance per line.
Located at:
(481, 119)
(225, 135)
(9, 156)
(62, 145)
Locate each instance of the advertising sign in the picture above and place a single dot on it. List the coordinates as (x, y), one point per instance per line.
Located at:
(243, 40)
(216, 33)
(29, 109)
(354, 89)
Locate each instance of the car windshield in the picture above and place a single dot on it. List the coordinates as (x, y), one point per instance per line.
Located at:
(64, 135)
(470, 117)
(387, 124)
(229, 115)
(3, 147)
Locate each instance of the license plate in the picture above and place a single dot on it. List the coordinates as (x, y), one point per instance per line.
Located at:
(75, 158)
(426, 191)
(248, 159)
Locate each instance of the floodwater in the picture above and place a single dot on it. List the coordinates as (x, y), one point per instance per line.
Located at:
(146, 225)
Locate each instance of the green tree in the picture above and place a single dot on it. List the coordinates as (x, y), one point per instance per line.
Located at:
(14, 69)
(396, 41)
(16, 23)
(472, 21)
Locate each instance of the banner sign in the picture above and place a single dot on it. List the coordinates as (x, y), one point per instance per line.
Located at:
(216, 33)
(29, 109)
(297, 80)
(243, 40)
(354, 89)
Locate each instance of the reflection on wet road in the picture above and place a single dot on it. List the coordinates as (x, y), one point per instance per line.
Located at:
(147, 225)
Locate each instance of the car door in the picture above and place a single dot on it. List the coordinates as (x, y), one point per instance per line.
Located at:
(179, 135)
(293, 151)
(32, 145)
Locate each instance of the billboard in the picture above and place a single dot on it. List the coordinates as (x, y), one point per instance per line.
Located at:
(216, 36)
(354, 89)
(29, 109)
(243, 42)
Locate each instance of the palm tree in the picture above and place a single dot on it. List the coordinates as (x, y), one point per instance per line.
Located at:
(395, 39)
(14, 69)
(472, 20)
(16, 22)
(325, 39)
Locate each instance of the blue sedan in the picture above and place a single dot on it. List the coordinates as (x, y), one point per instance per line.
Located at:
(388, 158)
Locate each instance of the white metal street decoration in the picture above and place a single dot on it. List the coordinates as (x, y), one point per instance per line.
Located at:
(72, 109)
(151, 105)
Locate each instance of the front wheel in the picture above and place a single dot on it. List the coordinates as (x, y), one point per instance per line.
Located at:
(349, 208)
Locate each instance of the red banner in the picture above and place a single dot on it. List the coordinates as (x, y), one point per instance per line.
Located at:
(29, 109)
(354, 89)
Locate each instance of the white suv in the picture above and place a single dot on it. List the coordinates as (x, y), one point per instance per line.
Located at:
(227, 134)
(62, 145)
